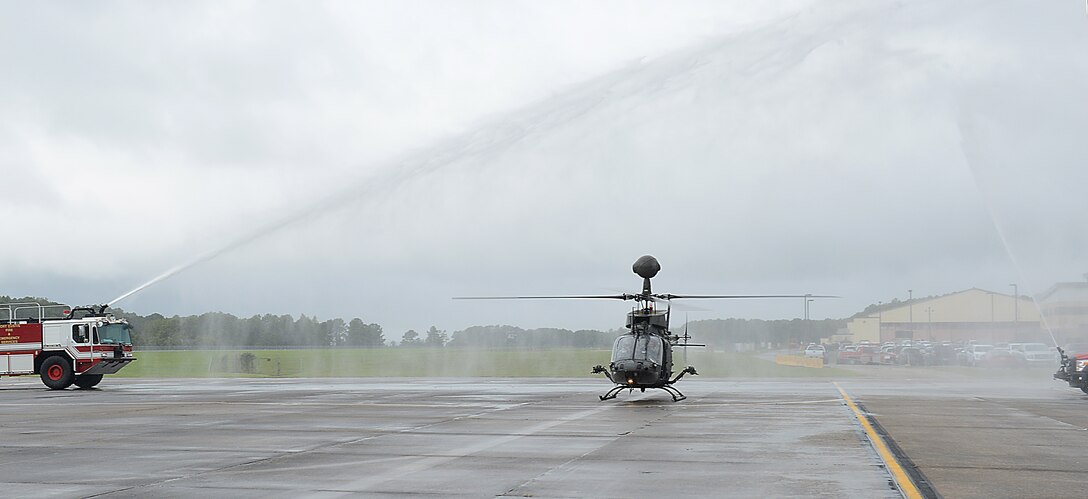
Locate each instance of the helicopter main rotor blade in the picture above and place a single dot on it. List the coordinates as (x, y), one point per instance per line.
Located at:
(670, 296)
(625, 297)
(684, 307)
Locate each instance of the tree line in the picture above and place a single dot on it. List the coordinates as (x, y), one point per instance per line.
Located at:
(725, 333)
(218, 329)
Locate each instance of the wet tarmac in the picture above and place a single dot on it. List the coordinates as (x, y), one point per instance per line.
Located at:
(969, 436)
(451, 438)
(993, 434)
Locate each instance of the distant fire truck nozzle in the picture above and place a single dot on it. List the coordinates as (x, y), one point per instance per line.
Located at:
(92, 310)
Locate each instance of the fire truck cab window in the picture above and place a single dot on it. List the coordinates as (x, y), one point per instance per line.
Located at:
(96, 340)
(79, 333)
(116, 334)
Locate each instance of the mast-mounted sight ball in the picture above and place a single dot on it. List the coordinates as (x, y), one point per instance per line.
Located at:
(646, 267)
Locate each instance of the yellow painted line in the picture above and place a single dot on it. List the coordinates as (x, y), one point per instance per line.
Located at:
(906, 485)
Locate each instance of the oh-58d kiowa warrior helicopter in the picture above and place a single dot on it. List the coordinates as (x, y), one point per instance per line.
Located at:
(643, 358)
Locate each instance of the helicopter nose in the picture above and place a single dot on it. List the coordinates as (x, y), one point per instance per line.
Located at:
(636, 377)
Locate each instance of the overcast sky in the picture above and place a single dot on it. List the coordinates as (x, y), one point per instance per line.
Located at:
(373, 159)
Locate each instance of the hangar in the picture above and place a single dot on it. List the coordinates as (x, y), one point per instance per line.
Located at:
(972, 314)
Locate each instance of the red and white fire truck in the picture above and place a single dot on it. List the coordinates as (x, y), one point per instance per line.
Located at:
(75, 346)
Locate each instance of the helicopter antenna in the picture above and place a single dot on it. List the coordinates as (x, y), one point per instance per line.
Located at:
(686, 337)
(687, 340)
(668, 312)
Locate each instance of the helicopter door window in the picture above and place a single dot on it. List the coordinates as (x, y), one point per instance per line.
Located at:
(648, 348)
(623, 348)
(653, 349)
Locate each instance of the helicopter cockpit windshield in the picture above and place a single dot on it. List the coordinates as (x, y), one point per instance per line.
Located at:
(630, 347)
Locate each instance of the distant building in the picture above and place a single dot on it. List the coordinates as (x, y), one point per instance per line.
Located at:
(863, 329)
(1065, 308)
(972, 314)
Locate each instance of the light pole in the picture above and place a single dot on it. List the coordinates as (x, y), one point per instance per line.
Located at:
(1016, 311)
(879, 320)
(807, 322)
(910, 301)
(805, 325)
(929, 322)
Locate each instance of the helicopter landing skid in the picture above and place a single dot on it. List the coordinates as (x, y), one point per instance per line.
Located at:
(612, 393)
(676, 395)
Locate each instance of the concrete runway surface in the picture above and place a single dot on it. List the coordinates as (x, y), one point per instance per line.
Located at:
(969, 437)
(995, 434)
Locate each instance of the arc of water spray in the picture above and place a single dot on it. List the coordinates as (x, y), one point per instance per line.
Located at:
(354, 191)
(968, 147)
(482, 142)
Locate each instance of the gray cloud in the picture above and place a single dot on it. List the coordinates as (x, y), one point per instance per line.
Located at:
(858, 149)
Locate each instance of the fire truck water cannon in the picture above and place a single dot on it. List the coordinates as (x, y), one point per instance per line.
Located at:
(62, 344)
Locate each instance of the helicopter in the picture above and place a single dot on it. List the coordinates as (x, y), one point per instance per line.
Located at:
(642, 358)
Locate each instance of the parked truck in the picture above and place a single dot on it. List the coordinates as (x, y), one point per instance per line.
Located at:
(63, 345)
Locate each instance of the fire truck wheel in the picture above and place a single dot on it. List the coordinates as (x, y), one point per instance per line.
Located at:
(57, 373)
(88, 380)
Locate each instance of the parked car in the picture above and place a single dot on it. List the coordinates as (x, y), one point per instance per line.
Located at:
(911, 356)
(975, 353)
(1039, 353)
(847, 355)
(815, 351)
(944, 354)
(889, 353)
(870, 354)
(1000, 357)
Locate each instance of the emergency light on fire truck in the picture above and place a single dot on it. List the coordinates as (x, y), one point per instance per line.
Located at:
(63, 345)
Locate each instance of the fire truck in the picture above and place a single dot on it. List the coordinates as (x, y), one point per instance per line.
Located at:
(1074, 367)
(63, 345)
